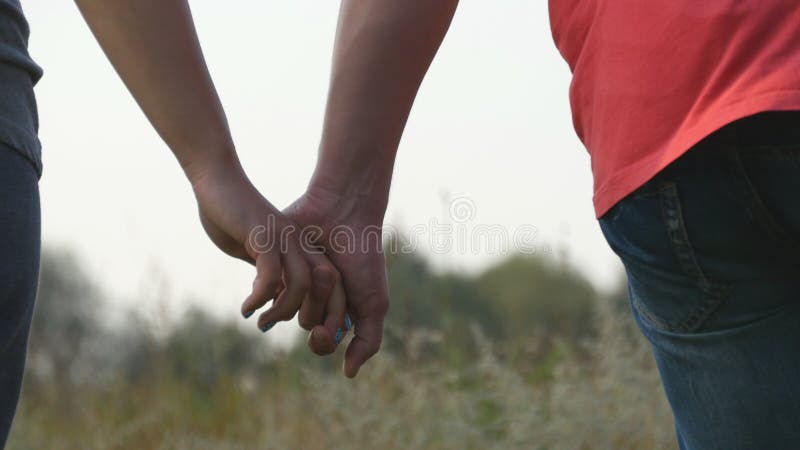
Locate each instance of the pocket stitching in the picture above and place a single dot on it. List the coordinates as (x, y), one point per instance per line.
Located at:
(673, 222)
(644, 311)
(672, 215)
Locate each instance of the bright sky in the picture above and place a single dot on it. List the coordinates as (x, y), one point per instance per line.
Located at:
(491, 123)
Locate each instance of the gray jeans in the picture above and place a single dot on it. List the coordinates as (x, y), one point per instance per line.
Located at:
(20, 243)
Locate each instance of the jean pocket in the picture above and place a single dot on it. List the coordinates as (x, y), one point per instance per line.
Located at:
(668, 289)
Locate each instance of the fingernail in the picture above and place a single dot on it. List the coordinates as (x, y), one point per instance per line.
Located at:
(247, 314)
(267, 327)
(348, 325)
(338, 336)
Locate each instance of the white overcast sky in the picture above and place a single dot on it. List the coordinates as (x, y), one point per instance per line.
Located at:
(491, 123)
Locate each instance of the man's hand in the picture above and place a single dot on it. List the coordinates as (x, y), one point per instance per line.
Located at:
(352, 240)
(383, 49)
(245, 225)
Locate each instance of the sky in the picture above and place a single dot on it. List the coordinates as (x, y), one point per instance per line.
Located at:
(491, 129)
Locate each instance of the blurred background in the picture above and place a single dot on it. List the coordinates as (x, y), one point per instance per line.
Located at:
(138, 341)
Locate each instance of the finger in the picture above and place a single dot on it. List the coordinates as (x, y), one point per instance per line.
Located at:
(312, 310)
(268, 273)
(281, 287)
(298, 280)
(324, 338)
(365, 343)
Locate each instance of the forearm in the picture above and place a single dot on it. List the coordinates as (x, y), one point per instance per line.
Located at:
(383, 50)
(154, 47)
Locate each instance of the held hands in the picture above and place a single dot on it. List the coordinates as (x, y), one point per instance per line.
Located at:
(245, 225)
(292, 271)
(380, 58)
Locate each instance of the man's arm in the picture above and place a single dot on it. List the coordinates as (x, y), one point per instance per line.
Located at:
(383, 50)
(154, 47)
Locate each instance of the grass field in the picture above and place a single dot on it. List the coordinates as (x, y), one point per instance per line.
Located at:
(461, 368)
(606, 396)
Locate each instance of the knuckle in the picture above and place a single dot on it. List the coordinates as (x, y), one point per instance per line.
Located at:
(305, 322)
(302, 285)
(286, 315)
(333, 270)
(374, 347)
(271, 285)
(380, 307)
(279, 314)
(327, 273)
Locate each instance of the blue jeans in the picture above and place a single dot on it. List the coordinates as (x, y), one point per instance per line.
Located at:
(711, 247)
(19, 273)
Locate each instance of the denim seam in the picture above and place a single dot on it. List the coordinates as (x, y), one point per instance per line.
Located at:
(685, 255)
(642, 309)
(673, 222)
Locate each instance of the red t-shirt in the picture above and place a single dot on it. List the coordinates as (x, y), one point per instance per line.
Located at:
(651, 78)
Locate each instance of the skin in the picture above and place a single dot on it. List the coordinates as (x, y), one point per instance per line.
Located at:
(179, 99)
(382, 52)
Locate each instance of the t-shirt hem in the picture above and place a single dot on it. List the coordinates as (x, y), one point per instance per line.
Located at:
(637, 174)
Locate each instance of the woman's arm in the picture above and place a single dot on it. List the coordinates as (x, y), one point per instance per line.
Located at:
(154, 48)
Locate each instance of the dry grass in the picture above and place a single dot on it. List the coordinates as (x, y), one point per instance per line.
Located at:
(607, 396)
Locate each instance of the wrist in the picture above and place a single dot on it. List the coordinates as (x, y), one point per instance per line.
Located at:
(354, 177)
(353, 203)
(212, 164)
